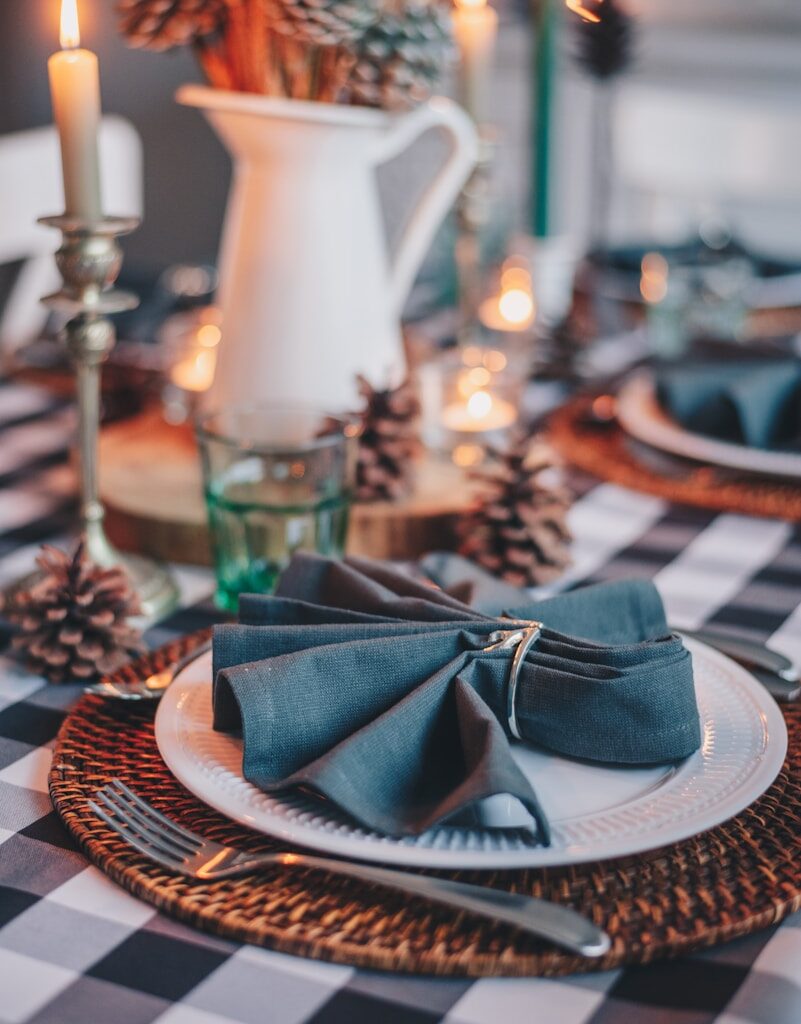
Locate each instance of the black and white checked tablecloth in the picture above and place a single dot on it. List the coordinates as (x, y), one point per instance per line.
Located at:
(76, 949)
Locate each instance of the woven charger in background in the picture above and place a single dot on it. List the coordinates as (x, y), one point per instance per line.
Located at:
(735, 879)
(606, 451)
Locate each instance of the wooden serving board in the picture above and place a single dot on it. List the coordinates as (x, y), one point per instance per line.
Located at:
(150, 482)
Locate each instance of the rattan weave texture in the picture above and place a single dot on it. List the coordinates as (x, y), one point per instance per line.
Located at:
(735, 879)
(604, 450)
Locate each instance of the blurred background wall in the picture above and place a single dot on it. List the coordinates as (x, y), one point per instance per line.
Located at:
(709, 116)
(738, 57)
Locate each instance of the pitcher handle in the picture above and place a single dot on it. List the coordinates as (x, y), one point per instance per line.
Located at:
(436, 200)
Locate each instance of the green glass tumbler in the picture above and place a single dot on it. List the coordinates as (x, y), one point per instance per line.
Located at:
(277, 480)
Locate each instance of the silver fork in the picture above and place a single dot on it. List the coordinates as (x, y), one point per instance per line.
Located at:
(177, 849)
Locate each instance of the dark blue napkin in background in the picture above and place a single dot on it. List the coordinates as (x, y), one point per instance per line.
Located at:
(373, 689)
(755, 402)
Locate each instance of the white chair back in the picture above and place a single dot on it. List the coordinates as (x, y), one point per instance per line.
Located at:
(30, 187)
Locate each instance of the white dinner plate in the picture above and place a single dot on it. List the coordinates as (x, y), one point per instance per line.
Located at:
(595, 812)
(641, 415)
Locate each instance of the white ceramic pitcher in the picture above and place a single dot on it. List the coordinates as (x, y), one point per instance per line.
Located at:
(309, 292)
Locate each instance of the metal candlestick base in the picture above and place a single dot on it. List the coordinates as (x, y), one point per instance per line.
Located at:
(89, 261)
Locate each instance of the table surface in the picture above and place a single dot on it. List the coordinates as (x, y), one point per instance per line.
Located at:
(76, 948)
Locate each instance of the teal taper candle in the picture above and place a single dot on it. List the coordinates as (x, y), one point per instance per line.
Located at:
(544, 51)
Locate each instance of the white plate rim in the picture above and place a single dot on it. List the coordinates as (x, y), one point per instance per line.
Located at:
(641, 416)
(392, 851)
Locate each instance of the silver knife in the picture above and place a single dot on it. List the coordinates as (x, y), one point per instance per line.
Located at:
(782, 679)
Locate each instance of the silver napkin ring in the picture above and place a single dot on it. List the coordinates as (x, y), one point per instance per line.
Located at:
(521, 641)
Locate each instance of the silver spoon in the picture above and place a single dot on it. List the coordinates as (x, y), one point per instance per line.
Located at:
(151, 688)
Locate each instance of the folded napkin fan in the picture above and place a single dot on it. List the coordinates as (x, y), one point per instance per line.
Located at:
(755, 402)
(375, 690)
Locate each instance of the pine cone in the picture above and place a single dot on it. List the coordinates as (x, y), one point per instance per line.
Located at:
(518, 529)
(322, 22)
(402, 56)
(164, 24)
(72, 621)
(388, 441)
(604, 48)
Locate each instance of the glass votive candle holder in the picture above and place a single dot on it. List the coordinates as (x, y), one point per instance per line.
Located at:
(470, 398)
(190, 343)
(511, 309)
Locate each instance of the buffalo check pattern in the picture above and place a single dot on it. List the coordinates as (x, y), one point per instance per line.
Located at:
(76, 949)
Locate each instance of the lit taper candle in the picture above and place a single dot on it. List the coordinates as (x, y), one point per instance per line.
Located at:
(475, 26)
(75, 91)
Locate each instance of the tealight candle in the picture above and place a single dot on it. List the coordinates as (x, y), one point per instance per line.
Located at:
(513, 309)
(194, 370)
(479, 413)
(75, 91)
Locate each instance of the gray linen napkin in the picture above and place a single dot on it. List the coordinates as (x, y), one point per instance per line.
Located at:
(756, 402)
(374, 690)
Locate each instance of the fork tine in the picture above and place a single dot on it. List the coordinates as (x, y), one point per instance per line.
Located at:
(133, 840)
(130, 812)
(191, 837)
(141, 827)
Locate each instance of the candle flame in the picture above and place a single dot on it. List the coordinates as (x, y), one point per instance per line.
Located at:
(479, 405)
(70, 29)
(196, 371)
(516, 306)
(470, 5)
(516, 299)
(577, 7)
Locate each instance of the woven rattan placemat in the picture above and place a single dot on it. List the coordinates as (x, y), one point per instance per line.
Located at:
(602, 448)
(736, 879)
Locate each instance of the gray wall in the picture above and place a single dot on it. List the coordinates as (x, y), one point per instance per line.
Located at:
(186, 169)
(187, 172)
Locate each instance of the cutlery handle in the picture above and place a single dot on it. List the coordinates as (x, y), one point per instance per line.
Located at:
(754, 656)
(560, 925)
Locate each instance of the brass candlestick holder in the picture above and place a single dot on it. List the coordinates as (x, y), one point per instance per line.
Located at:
(89, 261)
